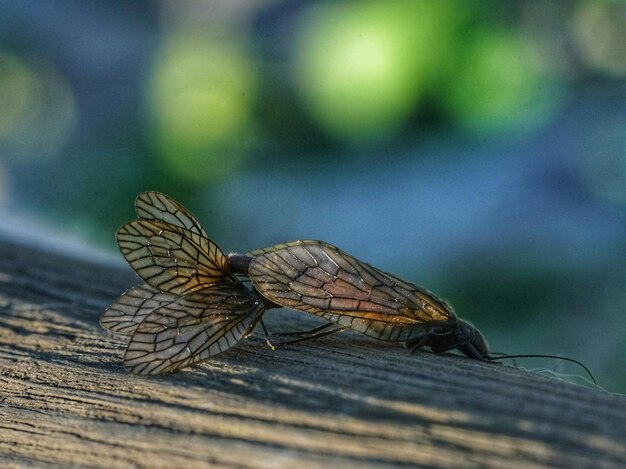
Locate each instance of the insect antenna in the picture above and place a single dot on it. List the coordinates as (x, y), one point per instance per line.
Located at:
(502, 357)
(497, 355)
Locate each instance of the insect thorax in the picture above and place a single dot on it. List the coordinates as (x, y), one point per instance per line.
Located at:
(239, 263)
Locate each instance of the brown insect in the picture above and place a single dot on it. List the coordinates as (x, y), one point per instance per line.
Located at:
(192, 306)
(319, 278)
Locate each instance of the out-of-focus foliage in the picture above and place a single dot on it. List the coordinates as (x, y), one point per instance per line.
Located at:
(200, 96)
(37, 106)
(497, 84)
(363, 68)
(599, 36)
(602, 160)
(475, 147)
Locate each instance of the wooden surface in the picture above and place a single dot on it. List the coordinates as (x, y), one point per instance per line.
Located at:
(344, 401)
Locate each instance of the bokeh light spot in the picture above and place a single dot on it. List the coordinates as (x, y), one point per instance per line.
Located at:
(362, 67)
(499, 85)
(4, 186)
(600, 34)
(602, 160)
(17, 93)
(201, 96)
(37, 108)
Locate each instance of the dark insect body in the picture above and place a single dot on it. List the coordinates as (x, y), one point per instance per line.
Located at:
(193, 306)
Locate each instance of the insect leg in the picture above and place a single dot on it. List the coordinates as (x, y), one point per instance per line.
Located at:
(473, 352)
(418, 341)
(315, 330)
(268, 337)
(323, 331)
(467, 348)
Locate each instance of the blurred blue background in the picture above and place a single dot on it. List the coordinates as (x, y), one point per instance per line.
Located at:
(477, 148)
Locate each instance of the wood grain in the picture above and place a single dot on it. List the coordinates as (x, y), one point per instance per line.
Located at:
(344, 401)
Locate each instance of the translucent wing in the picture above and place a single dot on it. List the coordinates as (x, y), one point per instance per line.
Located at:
(127, 312)
(319, 278)
(192, 328)
(154, 205)
(172, 259)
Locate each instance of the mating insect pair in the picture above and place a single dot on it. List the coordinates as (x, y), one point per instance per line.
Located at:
(193, 306)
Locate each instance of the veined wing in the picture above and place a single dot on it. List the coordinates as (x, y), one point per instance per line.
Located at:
(172, 259)
(319, 278)
(130, 309)
(154, 205)
(192, 328)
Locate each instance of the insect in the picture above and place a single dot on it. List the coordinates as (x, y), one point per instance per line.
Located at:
(191, 306)
(319, 278)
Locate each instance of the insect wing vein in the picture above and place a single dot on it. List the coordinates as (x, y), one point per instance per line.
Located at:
(171, 258)
(130, 309)
(319, 278)
(154, 205)
(191, 329)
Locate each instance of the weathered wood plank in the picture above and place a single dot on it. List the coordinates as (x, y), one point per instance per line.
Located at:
(345, 401)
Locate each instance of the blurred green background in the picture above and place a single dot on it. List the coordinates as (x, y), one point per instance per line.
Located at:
(475, 147)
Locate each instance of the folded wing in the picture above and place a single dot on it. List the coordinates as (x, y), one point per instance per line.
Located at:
(154, 205)
(319, 278)
(130, 309)
(192, 328)
(171, 258)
